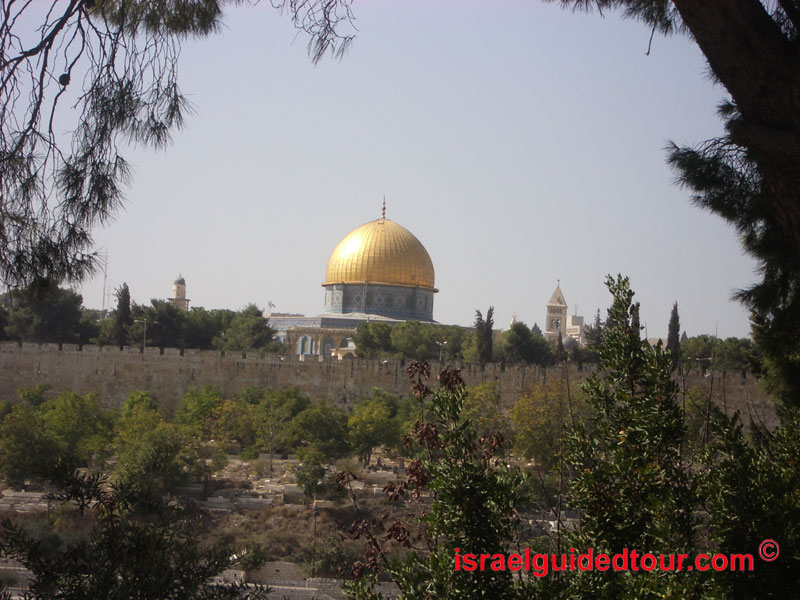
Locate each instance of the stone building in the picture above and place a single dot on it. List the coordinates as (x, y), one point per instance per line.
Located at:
(378, 272)
(178, 297)
(558, 322)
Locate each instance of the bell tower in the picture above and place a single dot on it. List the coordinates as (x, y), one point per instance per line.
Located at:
(556, 321)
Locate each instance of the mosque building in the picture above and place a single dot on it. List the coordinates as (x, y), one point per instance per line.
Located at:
(381, 272)
(378, 272)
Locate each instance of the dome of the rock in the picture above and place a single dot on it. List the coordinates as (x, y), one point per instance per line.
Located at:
(380, 268)
(381, 251)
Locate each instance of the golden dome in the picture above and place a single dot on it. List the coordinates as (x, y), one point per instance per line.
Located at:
(381, 251)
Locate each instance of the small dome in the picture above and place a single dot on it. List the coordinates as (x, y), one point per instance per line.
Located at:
(180, 280)
(569, 343)
(381, 251)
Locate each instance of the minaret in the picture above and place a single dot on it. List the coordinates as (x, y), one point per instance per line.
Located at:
(556, 320)
(179, 298)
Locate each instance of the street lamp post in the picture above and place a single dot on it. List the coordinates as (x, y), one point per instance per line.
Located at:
(441, 345)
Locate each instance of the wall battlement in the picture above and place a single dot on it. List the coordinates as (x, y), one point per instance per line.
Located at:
(113, 373)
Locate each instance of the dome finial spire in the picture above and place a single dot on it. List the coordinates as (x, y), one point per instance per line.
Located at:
(383, 208)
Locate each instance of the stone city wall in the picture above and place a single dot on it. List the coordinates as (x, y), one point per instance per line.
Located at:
(113, 373)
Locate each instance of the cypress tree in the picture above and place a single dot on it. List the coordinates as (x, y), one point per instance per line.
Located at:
(483, 332)
(673, 336)
(594, 332)
(122, 316)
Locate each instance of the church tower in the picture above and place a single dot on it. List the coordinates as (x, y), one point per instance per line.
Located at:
(556, 321)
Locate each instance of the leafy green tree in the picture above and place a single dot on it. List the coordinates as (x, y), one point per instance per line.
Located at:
(136, 399)
(49, 439)
(484, 408)
(673, 336)
(235, 420)
(373, 423)
(25, 450)
(451, 340)
(158, 555)
(749, 488)
(322, 426)
(630, 462)
(166, 324)
(473, 510)
(521, 345)
(310, 474)
(203, 326)
(705, 352)
(483, 335)
(79, 432)
(153, 455)
(273, 417)
(517, 343)
(469, 349)
(248, 330)
(539, 417)
(412, 339)
(373, 339)
(273, 412)
(197, 407)
(44, 312)
(89, 326)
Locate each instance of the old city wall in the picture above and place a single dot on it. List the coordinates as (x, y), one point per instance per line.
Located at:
(113, 373)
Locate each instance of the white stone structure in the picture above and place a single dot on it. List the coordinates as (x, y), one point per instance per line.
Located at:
(179, 298)
(558, 322)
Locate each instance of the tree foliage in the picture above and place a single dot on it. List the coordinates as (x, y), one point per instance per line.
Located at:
(154, 455)
(412, 339)
(631, 484)
(474, 495)
(47, 439)
(122, 319)
(749, 488)
(704, 352)
(748, 176)
(373, 422)
(247, 330)
(520, 344)
(44, 312)
(674, 336)
(483, 335)
(322, 426)
(539, 417)
(126, 554)
(116, 64)
(485, 410)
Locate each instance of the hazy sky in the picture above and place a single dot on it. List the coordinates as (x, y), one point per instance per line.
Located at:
(519, 142)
